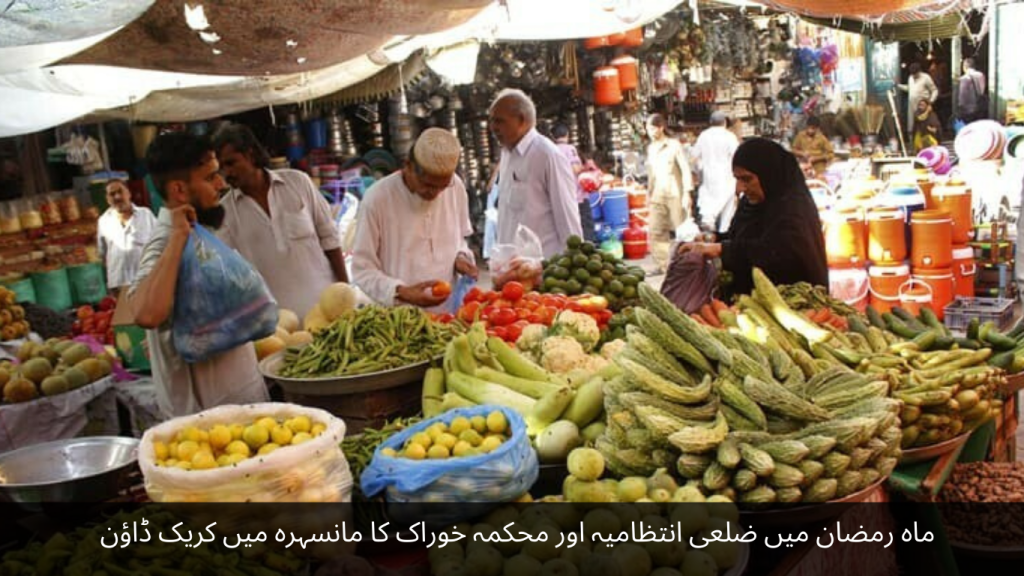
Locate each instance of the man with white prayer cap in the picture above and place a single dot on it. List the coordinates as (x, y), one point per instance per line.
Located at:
(412, 227)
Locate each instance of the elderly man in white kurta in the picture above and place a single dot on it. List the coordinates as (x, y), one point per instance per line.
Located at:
(122, 233)
(412, 227)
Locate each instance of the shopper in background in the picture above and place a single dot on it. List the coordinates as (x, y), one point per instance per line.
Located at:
(279, 221)
(669, 188)
(536, 186)
(187, 176)
(926, 126)
(813, 147)
(412, 227)
(776, 227)
(712, 157)
(561, 135)
(972, 101)
(121, 234)
(919, 86)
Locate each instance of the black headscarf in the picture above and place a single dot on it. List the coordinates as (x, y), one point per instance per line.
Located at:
(782, 235)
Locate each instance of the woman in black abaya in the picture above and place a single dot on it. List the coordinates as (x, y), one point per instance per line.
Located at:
(776, 227)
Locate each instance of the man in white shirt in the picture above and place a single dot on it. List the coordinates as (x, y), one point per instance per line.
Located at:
(122, 232)
(185, 171)
(278, 221)
(716, 197)
(536, 186)
(412, 227)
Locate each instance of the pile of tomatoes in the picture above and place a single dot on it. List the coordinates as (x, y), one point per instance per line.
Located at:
(506, 312)
(96, 322)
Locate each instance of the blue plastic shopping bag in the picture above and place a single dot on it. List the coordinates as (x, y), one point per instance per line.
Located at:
(459, 291)
(220, 301)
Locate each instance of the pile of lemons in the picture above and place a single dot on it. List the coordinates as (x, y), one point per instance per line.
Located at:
(461, 437)
(224, 445)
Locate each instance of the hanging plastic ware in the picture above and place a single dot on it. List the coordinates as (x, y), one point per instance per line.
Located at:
(607, 91)
(629, 73)
(220, 301)
(634, 38)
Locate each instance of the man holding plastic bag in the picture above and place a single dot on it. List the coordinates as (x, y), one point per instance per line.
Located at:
(201, 301)
(412, 227)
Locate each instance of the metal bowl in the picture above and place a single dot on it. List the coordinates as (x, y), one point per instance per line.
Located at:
(342, 385)
(75, 470)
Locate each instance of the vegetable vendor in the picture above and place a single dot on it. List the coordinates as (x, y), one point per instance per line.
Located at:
(279, 222)
(813, 147)
(412, 226)
(185, 171)
(122, 232)
(776, 227)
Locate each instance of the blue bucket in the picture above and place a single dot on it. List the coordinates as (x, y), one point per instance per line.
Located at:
(316, 133)
(616, 208)
(595, 205)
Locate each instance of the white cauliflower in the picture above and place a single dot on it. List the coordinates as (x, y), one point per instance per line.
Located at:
(595, 363)
(581, 327)
(610, 349)
(531, 337)
(561, 354)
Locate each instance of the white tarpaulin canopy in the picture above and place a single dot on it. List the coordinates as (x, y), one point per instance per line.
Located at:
(312, 52)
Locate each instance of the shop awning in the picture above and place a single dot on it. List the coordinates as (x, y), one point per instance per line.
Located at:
(876, 11)
(946, 26)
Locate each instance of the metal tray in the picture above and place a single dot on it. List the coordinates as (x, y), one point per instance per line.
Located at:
(810, 513)
(342, 385)
(925, 453)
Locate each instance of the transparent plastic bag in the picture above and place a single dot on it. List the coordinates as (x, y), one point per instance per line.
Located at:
(500, 476)
(220, 301)
(520, 261)
(315, 471)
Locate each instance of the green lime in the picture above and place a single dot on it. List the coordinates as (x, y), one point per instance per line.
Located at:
(564, 262)
(582, 275)
(579, 260)
(636, 271)
(621, 270)
(629, 292)
(608, 257)
(629, 280)
(573, 242)
(612, 299)
(615, 287)
(607, 275)
(573, 287)
(588, 248)
(550, 282)
(561, 272)
(594, 267)
(597, 283)
(558, 291)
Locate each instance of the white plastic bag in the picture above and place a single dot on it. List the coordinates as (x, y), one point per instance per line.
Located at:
(520, 261)
(315, 471)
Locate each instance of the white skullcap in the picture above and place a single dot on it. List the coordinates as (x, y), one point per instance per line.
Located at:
(437, 151)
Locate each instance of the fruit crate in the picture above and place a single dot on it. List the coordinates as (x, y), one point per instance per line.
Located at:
(960, 312)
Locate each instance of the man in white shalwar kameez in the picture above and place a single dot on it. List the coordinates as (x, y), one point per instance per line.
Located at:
(716, 197)
(412, 227)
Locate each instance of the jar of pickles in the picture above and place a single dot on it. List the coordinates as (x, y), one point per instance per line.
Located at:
(49, 209)
(29, 216)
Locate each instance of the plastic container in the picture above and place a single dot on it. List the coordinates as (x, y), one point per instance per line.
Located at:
(914, 295)
(960, 312)
(850, 285)
(932, 244)
(615, 208)
(607, 91)
(23, 290)
(629, 72)
(887, 235)
(964, 271)
(88, 285)
(846, 238)
(596, 199)
(316, 133)
(634, 243)
(941, 283)
(633, 38)
(957, 201)
(595, 42)
(885, 283)
(31, 220)
(909, 200)
(53, 289)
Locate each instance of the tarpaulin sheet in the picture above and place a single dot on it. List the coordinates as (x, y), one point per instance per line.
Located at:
(33, 22)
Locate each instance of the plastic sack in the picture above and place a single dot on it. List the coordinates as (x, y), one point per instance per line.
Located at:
(462, 286)
(220, 302)
(520, 261)
(851, 286)
(315, 471)
(690, 281)
(500, 476)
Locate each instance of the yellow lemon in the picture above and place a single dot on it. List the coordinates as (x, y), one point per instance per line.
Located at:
(281, 435)
(183, 465)
(300, 438)
(203, 461)
(172, 450)
(267, 422)
(220, 436)
(205, 447)
(422, 438)
(238, 447)
(160, 451)
(299, 424)
(267, 449)
(190, 433)
(415, 452)
(236, 431)
(235, 459)
(223, 460)
(204, 436)
(446, 440)
(461, 448)
(389, 452)
(437, 452)
(459, 425)
(187, 449)
(496, 422)
(255, 436)
(490, 444)
(472, 437)
(170, 463)
(479, 424)
(435, 431)
(317, 429)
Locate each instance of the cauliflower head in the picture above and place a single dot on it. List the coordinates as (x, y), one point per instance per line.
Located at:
(610, 349)
(581, 327)
(561, 354)
(531, 337)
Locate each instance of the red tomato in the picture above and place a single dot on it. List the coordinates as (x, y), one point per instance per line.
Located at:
(547, 314)
(512, 291)
(535, 318)
(85, 312)
(88, 325)
(605, 315)
(500, 332)
(514, 331)
(532, 296)
(549, 300)
(502, 303)
(102, 324)
(468, 311)
(491, 296)
(473, 295)
(487, 312)
(575, 307)
(445, 318)
(503, 317)
(522, 313)
(76, 327)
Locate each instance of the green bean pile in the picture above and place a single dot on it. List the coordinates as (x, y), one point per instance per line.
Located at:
(370, 339)
(359, 449)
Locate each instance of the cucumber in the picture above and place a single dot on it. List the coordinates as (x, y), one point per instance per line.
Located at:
(925, 340)
(907, 318)
(875, 318)
(1017, 331)
(943, 342)
(857, 325)
(967, 343)
(1000, 341)
(1002, 360)
(896, 326)
(929, 318)
(972, 328)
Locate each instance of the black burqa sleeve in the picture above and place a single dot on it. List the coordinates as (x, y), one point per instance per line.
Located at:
(781, 235)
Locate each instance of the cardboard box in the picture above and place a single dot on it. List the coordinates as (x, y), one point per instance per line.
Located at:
(129, 339)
